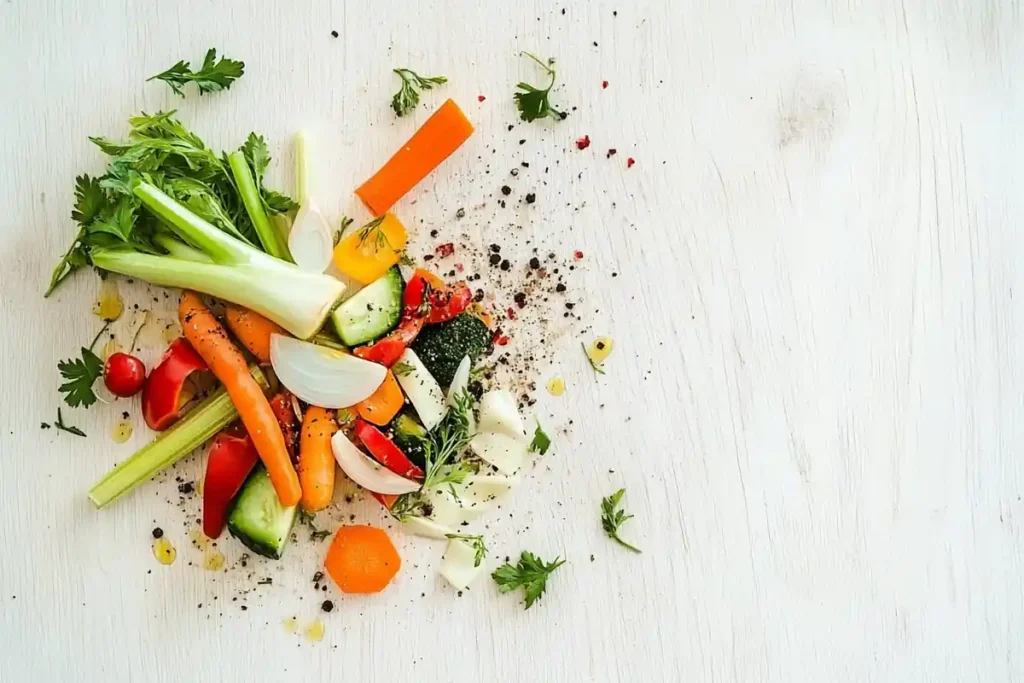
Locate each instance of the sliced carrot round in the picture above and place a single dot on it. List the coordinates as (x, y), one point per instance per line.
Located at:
(362, 559)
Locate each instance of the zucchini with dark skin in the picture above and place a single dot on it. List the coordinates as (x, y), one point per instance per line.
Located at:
(409, 435)
(441, 347)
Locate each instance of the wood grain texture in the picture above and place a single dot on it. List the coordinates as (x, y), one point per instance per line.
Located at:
(818, 319)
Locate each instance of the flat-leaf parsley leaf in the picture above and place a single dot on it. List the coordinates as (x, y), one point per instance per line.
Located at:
(612, 518)
(214, 75)
(533, 102)
(408, 96)
(531, 573)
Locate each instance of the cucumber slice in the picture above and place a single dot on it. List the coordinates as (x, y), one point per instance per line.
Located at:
(258, 519)
(372, 311)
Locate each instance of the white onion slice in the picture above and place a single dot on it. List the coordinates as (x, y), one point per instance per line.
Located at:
(458, 566)
(321, 376)
(499, 413)
(366, 472)
(484, 488)
(459, 386)
(447, 510)
(422, 390)
(310, 241)
(504, 452)
(427, 528)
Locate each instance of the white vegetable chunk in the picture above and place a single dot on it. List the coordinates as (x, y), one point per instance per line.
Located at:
(504, 452)
(321, 376)
(458, 566)
(427, 528)
(365, 471)
(422, 390)
(499, 414)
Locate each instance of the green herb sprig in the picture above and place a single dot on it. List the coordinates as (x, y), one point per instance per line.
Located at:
(533, 102)
(408, 95)
(475, 542)
(212, 76)
(612, 518)
(530, 573)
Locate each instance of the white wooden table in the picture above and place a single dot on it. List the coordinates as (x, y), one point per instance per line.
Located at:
(815, 403)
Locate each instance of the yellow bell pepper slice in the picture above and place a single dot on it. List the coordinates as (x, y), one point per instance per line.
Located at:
(367, 253)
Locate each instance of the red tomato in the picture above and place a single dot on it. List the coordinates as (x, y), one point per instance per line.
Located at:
(124, 374)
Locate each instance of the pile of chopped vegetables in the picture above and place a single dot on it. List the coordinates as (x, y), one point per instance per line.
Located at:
(309, 374)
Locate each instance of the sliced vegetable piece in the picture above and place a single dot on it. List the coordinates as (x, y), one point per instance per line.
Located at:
(388, 350)
(460, 386)
(372, 311)
(428, 528)
(504, 452)
(410, 435)
(272, 241)
(252, 329)
(448, 302)
(310, 240)
(451, 511)
(316, 459)
(499, 413)
(162, 393)
(364, 471)
(232, 457)
(442, 347)
(386, 452)
(422, 389)
(362, 559)
(367, 253)
(485, 488)
(258, 518)
(210, 340)
(202, 422)
(459, 565)
(436, 139)
(283, 405)
(382, 406)
(321, 376)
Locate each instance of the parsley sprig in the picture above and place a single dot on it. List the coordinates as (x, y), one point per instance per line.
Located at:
(408, 96)
(541, 441)
(533, 102)
(476, 542)
(212, 76)
(309, 519)
(612, 518)
(79, 374)
(530, 573)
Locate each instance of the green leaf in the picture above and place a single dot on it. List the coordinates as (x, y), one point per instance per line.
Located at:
(541, 441)
(214, 74)
(612, 518)
(530, 573)
(408, 96)
(533, 102)
(90, 199)
(79, 375)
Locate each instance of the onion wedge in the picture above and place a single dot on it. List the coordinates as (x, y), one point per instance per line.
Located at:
(422, 390)
(322, 376)
(428, 528)
(459, 566)
(500, 414)
(366, 472)
(504, 452)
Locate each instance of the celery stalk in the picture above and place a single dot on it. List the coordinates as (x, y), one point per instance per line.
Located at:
(179, 249)
(201, 423)
(269, 237)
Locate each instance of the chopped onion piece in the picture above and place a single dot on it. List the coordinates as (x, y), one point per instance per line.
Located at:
(426, 528)
(447, 510)
(365, 471)
(310, 241)
(458, 566)
(484, 488)
(504, 452)
(500, 414)
(322, 376)
(422, 390)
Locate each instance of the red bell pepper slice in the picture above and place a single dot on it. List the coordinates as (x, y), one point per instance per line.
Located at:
(388, 350)
(417, 292)
(162, 392)
(386, 452)
(232, 457)
(448, 302)
(385, 499)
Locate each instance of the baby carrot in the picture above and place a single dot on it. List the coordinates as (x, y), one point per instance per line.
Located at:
(362, 559)
(252, 329)
(226, 362)
(316, 459)
(441, 134)
(384, 403)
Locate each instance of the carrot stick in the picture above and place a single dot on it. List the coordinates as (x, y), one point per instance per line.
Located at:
(252, 329)
(362, 559)
(227, 363)
(316, 459)
(384, 403)
(441, 134)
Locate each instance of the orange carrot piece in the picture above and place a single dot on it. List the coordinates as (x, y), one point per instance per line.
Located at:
(362, 559)
(441, 134)
(383, 404)
(316, 459)
(252, 329)
(211, 342)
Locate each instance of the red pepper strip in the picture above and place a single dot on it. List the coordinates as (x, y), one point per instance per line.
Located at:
(386, 452)
(281, 404)
(162, 391)
(388, 350)
(232, 457)
(447, 303)
(385, 499)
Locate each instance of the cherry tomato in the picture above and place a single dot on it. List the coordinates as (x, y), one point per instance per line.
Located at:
(124, 374)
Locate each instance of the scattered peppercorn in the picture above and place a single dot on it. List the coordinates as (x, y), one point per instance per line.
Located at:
(611, 152)
(559, 288)
(327, 606)
(583, 142)
(505, 265)
(433, 233)
(520, 299)
(514, 172)
(604, 84)
(535, 263)
(480, 98)
(525, 164)
(478, 295)
(629, 162)
(531, 198)
(186, 488)
(443, 250)
(158, 532)
(506, 190)
(461, 213)
(495, 259)
(510, 313)
(522, 142)
(334, 34)
(496, 248)
(578, 254)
